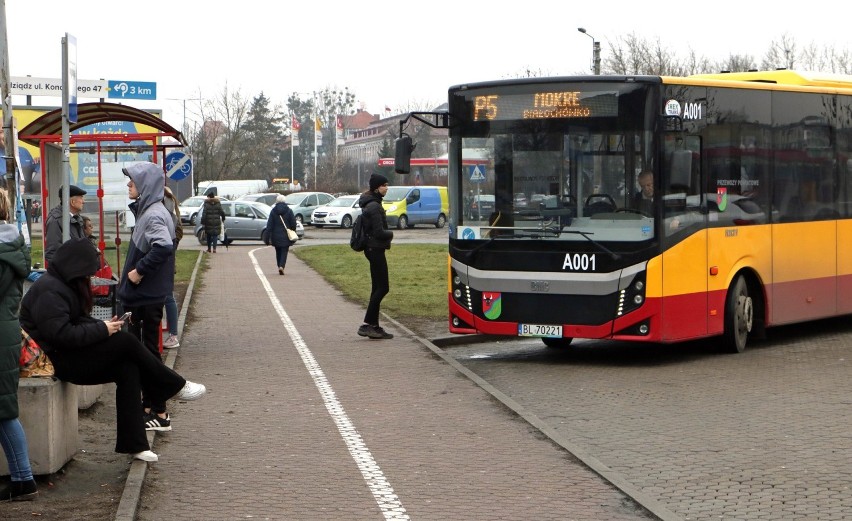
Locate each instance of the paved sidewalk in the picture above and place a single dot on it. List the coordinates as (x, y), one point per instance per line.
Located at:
(305, 420)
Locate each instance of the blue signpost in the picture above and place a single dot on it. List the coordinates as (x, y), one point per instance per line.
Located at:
(132, 89)
(178, 166)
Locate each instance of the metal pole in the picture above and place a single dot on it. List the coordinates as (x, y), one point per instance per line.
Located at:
(596, 52)
(66, 148)
(8, 133)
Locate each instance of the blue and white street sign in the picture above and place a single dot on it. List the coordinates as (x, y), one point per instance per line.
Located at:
(132, 89)
(476, 173)
(178, 166)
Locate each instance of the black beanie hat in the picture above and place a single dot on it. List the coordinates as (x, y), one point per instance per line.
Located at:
(377, 180)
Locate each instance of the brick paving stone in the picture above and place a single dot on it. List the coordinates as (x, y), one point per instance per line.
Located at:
(262, 444)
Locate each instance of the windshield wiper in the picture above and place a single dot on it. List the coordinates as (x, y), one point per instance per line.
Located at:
(585, 235)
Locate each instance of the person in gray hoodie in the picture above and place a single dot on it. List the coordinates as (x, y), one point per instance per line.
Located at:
(148, 274)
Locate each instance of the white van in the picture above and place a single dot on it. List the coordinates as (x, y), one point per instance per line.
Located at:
(232, 188)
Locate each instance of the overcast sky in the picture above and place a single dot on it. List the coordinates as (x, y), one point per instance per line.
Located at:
(389, 53)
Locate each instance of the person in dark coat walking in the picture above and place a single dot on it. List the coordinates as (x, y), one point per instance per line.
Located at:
(212, 218)
(281, 219)
(379, 239)
(87, 351)
(14, 268)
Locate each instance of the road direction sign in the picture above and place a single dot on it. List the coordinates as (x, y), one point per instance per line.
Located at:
(476, 173)
(132, 89)
(178, 166)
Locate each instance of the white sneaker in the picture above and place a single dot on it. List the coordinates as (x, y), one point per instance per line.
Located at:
(191, 391)
(171, 342)
(146, 455)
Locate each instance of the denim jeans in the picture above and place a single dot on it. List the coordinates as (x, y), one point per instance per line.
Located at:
(212, 240)
(172, 314)
(14, 443)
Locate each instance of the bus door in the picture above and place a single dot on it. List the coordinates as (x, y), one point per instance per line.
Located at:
(684, 230)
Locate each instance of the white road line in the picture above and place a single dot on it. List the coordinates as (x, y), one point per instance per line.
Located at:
(382, 491)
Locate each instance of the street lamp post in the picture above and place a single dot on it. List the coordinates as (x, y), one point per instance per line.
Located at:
(596, 52)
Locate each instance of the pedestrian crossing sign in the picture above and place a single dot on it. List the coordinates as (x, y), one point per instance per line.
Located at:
(476, 173)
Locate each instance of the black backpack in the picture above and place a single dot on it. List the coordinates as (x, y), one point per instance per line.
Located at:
(358, 239)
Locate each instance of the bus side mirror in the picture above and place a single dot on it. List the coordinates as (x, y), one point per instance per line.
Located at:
(402, 155)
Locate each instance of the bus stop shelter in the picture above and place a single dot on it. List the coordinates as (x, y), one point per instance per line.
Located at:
(46, 133)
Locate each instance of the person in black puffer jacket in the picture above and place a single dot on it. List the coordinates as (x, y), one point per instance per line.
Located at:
(378, 240)
(87, 351)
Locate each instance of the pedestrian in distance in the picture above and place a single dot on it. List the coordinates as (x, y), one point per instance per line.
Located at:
(172, 206)
(14, 268)
(281, 219)
(87, 351)
(379, 239)
(149, 271)
(212, 218)
(53, 224)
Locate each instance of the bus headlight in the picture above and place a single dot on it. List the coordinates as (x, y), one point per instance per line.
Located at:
(633, 296)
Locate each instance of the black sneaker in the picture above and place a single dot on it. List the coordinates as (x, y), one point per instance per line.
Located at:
(378, 333)
(155, 423)
(364, 330)
(20, 491)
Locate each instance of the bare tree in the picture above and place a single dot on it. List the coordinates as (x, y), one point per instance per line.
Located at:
(219, 145)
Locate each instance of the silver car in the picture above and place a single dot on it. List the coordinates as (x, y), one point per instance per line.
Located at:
(244, 220)
(341, 212)
(303, 204)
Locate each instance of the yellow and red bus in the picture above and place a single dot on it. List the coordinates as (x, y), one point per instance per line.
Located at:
(752, 204)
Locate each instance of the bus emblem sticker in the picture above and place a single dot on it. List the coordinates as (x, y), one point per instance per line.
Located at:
(722, 198)
(672, 108)
(491, 305)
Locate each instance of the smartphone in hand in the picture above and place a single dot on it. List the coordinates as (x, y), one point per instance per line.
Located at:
(125, 316)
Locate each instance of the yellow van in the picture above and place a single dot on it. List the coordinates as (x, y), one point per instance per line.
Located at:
(406, 206)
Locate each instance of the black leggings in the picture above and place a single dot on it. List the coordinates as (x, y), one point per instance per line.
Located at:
(381, 284)
(123, 360)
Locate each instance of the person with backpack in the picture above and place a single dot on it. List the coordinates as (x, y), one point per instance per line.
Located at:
(281, 219)
(379, 237)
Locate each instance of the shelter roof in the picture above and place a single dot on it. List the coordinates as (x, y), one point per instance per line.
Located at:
(50, 124)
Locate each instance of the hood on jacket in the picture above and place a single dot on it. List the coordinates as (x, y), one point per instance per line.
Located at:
(150, 182)
(366, 197)
(75, 258)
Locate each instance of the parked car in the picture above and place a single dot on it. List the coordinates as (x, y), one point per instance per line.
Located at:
(190, 207)
(266, 198)
(340, 212)
(303, 204)
(480, 207)
(244, 220)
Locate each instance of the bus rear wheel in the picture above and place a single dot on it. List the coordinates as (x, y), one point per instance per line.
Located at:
(557, 343)
(739, 316)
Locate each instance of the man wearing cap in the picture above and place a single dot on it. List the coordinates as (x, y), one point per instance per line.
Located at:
(149, 267)
(53, 224)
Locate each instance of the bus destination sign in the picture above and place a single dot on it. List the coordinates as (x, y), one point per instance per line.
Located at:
(545, 105)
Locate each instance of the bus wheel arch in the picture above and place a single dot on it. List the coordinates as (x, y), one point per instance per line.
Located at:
(744, 312)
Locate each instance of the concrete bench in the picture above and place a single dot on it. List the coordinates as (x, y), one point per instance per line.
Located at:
(48, 412)
(87, 395)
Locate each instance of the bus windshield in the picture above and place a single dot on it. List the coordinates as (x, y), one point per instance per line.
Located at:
(554, 162)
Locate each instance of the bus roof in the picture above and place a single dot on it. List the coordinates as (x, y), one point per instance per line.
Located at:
(785, 77)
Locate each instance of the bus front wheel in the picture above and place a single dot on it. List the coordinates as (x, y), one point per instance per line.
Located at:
(557, 343)
(739, 316)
